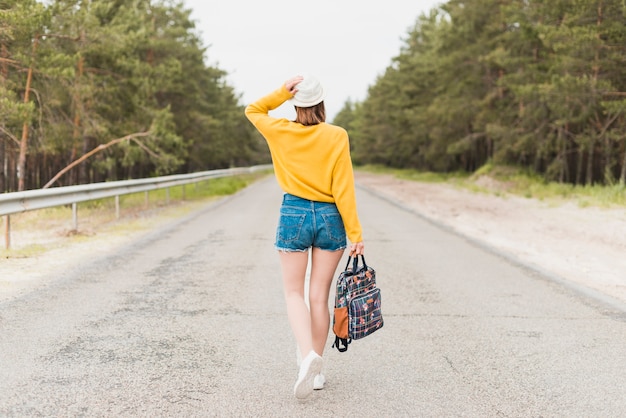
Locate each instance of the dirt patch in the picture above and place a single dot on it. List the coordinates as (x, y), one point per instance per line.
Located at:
(583, 245)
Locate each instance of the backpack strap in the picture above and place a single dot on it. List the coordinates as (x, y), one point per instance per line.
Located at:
(355, 263)
(339, 342)
(348, 263)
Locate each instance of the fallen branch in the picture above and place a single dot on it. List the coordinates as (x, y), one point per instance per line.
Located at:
(10, 135)
(94, 151)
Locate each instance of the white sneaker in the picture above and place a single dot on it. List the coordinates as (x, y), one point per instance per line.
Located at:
(311, 366)
(318, 382)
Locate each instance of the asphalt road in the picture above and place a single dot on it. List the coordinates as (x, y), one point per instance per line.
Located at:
(190, 322)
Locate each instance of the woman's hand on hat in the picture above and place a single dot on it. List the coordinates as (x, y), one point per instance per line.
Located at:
(357, 248)
(291, 84)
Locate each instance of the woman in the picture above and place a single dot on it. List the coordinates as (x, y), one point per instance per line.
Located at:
(313, 167)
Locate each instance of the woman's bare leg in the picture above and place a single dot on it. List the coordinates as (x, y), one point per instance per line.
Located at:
(294, 266)
(323, 268)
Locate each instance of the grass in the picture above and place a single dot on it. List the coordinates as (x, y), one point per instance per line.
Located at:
(505, 180)
(36, 232)
(523, 183)
(414, 175)
(210, 188)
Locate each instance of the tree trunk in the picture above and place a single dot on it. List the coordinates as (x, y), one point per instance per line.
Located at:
(4, 74)
(21, 161)
(596, 64)
(77, 121)
(589, 179)
(579, 166)
(622, 177)
(9, 168)
(3, 164)
(603, 127)
(596, 70)
(563, 174)
(608, 161)
(4, 67)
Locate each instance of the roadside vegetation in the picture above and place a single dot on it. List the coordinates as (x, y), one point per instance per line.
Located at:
(524, 97)
(509, 180)
(107, 90)
(39, 231)
(539, 85)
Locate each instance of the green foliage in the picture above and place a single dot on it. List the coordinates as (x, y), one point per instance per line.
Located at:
(534, 84)
(105, 69)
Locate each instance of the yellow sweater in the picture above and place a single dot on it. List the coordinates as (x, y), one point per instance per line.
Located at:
(311, 162)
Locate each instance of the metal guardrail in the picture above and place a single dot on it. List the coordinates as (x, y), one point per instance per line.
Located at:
(18, 202)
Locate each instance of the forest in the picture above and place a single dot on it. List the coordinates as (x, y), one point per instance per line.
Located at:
(535, 84)
(119, 89)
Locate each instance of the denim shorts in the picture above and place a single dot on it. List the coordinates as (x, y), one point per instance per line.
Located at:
(305, 223)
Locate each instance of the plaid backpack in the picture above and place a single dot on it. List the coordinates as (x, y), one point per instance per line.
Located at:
(357, 304)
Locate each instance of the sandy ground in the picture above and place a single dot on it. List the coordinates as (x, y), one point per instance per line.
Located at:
(585, 246)
(45, 246)
(582, 245)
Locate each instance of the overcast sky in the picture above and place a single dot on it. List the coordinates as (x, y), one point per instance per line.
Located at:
(345, 43)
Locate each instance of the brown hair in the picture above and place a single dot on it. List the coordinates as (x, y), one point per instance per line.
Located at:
(313, 115)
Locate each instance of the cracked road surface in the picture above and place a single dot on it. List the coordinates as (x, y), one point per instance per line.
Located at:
(190, 321)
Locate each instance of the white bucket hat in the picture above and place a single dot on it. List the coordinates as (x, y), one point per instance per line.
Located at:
(310, 92)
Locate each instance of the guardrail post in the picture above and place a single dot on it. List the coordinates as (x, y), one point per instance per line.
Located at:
(75, 215)
(7, 231)
(117, 207)
(184, 194)
(147, 202)
(167, 196)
